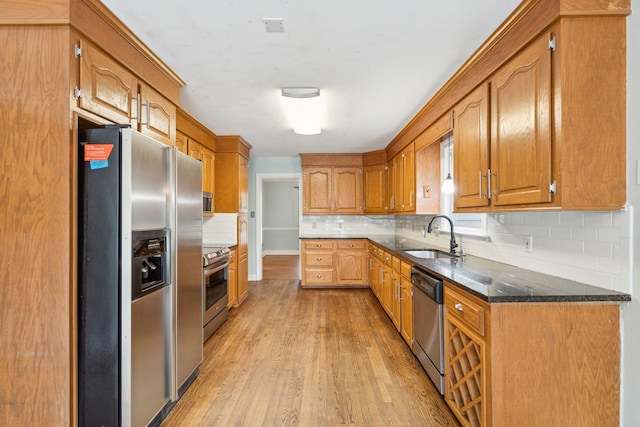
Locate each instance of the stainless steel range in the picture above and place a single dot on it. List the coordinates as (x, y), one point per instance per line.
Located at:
(215, 261)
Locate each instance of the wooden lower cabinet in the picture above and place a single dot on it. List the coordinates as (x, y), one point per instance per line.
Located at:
(334, 263)
(406, 303)
(531, 364)
(243, 278)
(233, 279)
(351, 262)
(243, 258)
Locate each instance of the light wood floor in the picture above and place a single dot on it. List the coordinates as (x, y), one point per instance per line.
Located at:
(280, 267)
(303, 357)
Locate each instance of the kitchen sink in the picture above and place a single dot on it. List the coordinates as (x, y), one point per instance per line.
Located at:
(428, 253)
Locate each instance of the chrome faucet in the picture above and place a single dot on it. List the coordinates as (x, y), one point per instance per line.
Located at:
(452, 244)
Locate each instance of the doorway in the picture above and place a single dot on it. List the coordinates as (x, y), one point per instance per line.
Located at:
(278, 216)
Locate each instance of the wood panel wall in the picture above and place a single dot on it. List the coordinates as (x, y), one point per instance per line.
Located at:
(35, 222)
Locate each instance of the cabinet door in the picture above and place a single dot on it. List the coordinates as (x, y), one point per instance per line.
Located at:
(521, 128)
(406, 309)
(408, 179)
(386, 288)
(351, 268)
(428, 179)
(208, 170)
(108, 89)
(398, 189)
(195, 149)
(317, 190)
(158, 116)
(243, 258)
(471, 149)
(347, 190)
(243, 278)
(233, 279)
(182, 142)
(394, 298)
(243, 184)
(375, 189)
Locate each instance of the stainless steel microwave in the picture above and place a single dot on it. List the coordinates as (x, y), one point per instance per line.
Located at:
(207, 202)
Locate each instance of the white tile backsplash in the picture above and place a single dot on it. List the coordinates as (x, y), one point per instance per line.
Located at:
(588, 247)
(220, 229)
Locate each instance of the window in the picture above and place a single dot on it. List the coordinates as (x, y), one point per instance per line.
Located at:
(464, 223)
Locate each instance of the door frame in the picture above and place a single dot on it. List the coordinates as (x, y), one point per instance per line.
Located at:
(272, 177)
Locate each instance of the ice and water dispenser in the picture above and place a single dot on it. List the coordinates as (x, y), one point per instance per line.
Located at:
(149, 266)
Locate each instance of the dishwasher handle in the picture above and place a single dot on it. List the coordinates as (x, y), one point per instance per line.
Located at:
(429, 285)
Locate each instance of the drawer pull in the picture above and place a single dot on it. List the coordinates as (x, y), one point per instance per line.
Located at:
(350, 245)
(318, 245)
(319, 276)
(458, 307)
(318, 259)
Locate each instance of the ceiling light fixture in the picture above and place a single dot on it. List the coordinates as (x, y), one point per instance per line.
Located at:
(303, 107)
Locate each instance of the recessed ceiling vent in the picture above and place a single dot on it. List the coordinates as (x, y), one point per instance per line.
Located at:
(273, 25)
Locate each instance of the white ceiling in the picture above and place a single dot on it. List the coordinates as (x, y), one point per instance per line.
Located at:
(377, 62)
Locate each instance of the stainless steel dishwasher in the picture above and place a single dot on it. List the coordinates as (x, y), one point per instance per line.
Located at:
(428, 324)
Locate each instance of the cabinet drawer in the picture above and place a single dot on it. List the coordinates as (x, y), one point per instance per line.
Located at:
(406, 270)
(351, 244)
(396, 264)
(318, 244)
(318, 277)
(385, 257)
(465, 309)
(324, 259)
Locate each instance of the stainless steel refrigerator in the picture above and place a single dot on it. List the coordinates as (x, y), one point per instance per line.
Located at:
(139, 276)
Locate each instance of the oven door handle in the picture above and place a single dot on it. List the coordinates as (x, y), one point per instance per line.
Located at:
(210, 271)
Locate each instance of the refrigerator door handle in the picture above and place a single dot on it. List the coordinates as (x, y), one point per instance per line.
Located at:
(172, 210)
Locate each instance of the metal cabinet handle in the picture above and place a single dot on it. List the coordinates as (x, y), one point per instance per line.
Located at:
(480, 184)
(489, 183)
(458, 307)
(318, 245)
(318, 259)
(350, 245)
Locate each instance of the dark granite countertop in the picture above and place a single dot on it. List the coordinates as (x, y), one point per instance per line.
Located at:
(492, 281)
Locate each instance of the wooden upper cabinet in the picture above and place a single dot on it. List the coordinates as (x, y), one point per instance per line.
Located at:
(231, 174)
(158, 115)
(428, 179)
(347, 190)
(107, 88)
(502, 149)
(208, 171)
(409, 178)
(317, 188)
(243, 166)
(329, 190)
(111, 91)
(471, 149)
(181, 142)
(375, 189)
(403, 180)
(521, 128)
(195, 149)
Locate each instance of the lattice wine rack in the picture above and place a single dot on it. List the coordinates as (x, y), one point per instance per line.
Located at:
(465, 363)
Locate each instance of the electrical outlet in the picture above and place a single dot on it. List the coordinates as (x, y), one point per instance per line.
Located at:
(339, 226)
(528, 243)
(314, 225)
